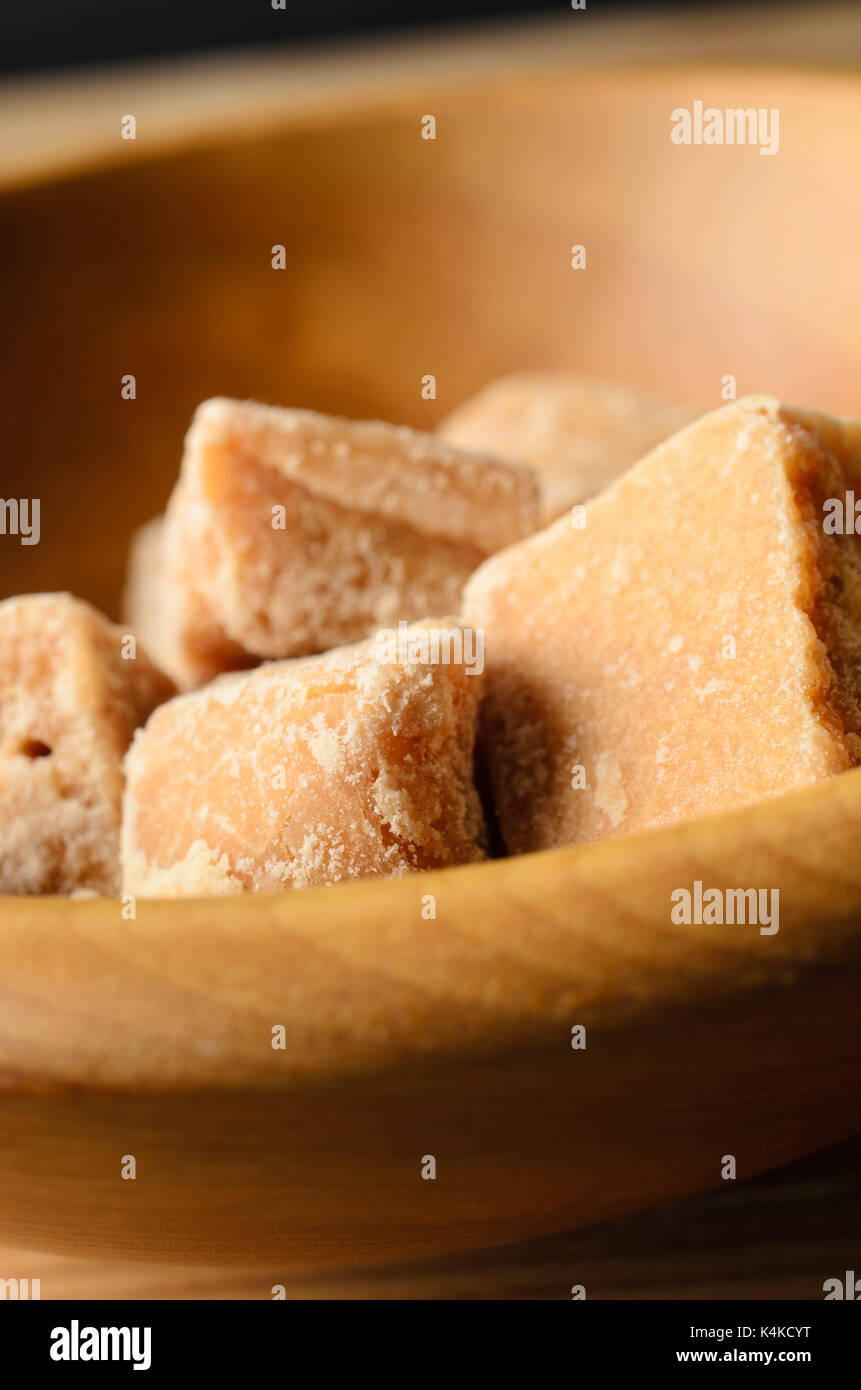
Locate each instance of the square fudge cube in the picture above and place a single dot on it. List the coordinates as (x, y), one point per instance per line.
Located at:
(289, 533)
(694, 647)
(577, 433)
(69, 703)
(310, 771)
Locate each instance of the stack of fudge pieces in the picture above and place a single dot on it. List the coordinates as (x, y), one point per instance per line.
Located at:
(297, 698)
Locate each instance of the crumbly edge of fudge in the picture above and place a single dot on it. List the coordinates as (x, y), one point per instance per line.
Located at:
(388, 703)
(829, 596)
(833, 597)
(172, 614)
(387, 470)
(546, 405)
(392, 522)
(275, 594)
(77, 786)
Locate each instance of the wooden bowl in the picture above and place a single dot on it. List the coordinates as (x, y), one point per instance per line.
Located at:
(406, 1037)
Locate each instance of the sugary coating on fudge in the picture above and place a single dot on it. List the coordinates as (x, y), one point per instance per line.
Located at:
(579, 434)
(171, 618)
(69, 704)
(696, 646)
(291, 532)
(308, 772)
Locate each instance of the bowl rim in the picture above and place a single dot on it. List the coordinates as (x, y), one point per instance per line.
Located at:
(395, 95)
(95, 1002)
(45, 934)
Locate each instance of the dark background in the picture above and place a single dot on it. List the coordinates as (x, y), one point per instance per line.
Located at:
(57, 33)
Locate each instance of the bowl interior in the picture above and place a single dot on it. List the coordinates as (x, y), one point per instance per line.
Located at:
(406, 257)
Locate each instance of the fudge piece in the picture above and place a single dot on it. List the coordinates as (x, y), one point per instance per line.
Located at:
(309, 771)
(579, 434)
(144, 600)
(69, 703)
(696, 646)
(172, 620)
(290, 532)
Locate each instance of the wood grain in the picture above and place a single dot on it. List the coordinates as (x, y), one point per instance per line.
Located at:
(407, 1037)
(65, 120)
(775, 1237)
